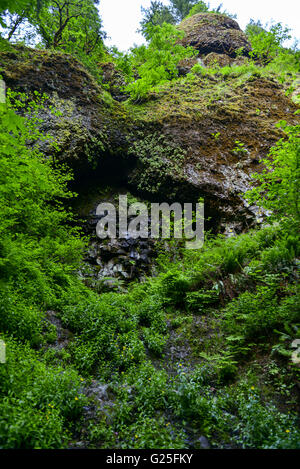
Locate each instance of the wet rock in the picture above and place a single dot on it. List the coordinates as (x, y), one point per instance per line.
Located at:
(63, 335)
(203, 443)
(185, 66)
(115, 261)
(179, 146)
(213, 59)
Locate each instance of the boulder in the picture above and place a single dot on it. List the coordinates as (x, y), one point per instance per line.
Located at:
(213, 59)
(213, 32)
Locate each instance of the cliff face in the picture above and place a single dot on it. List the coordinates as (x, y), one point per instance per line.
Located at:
(195, 138)
(85, 121)
(205, 138)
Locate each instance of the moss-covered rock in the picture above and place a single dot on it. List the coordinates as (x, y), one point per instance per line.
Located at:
(195, 137)
(114, 80)
(212, 32)
(204, 137)
(84, 119)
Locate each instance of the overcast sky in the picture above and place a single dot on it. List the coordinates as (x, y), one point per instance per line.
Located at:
(121, 17)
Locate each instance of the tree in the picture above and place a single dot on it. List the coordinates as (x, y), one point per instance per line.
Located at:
(66, 23)
(266, 45)
(73, 26)
(18, 25)
(13, 14)
(200, 7)
(15, 6)
(181, 8)
(156, 15)
(253, 28)
(13, 23)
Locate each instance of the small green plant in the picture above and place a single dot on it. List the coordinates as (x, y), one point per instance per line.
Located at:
(239, 148)
(199, 301)
(224, 365)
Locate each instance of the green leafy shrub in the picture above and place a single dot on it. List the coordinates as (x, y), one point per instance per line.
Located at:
(155, 342)
(173, 287)
(200, 7)
(38, 401)
(22, 427)
(267, 44)
(38, 250)
(278, 189)
(264, 427)
(158, 62)
(19, 318)
(256, 315)
(152, 433)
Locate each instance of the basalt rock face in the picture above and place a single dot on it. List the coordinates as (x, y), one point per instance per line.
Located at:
(114, 262)
(195, 138)
(209, 32)
(111, 263)
(205, 138)
(87, 123)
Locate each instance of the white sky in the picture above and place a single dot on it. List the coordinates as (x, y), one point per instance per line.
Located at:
(121, 17)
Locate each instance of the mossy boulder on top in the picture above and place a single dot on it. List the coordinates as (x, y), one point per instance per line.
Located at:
(213, 32)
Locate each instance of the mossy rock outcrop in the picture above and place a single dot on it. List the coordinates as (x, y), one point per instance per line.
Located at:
(85, 121)
(204, 138)
(199, 137)
(213, 32)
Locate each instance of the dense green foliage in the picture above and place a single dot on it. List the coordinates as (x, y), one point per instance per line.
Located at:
(116, 336)
(147, 67)
(38, 253)
(267, 44)
(156, 15)
(72, 26)
(203, 348)
(157, 63)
